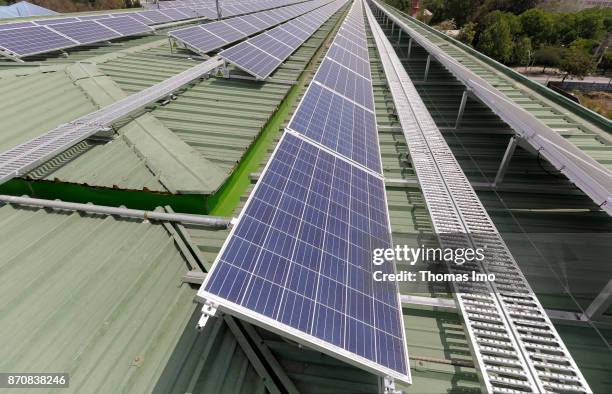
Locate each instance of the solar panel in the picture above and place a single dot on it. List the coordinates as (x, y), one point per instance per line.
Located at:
(155, 16)
(223, 30)
(141, 18)
(355, 63)
(125, 25)
(32, 40)
(244, 26)
(275, 44)
(252, 59)
(174, 14)
(338, 124)
(6, 26)
(346, 82)
(299, 259)
(44, 22)
(86, 32)
(94, 17)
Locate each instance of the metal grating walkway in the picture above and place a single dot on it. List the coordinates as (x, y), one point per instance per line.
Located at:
(516, 346)
(27, 156)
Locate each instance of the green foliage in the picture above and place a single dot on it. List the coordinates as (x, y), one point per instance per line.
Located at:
(499, 30)
(467, 33)
(521, 56)
(459, 10)
(538, 25)
(576, 61)
(548, 56)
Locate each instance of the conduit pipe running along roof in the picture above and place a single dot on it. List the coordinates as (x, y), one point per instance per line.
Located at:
(208, 221)
(27, 156)
(580, 168)
(515, 344)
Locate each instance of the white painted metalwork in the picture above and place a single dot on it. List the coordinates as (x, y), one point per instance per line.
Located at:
(516, 346)
(580, 168)
(27, 156)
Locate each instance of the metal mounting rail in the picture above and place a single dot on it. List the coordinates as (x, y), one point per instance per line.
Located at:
(516, 346)
(580, 168)
(27, 156)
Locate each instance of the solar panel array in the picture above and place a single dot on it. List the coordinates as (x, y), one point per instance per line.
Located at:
(337, 110)
(210, 36)
(262, 54)
(299, 259)
(228, 8)
(40, 36)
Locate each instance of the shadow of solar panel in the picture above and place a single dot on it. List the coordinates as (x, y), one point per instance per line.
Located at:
(85, 32)
(32, 40)
(338, 124)
(299, 259)
(125, 25)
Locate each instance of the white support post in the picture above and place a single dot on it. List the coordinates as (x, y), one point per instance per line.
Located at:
(461, 108)
(399, 36)
(503, 166)
(409, 47)
(427, 68)
(208, 310)
(601, 303)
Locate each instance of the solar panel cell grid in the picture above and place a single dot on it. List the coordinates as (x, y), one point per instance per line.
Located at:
(295, 31)
(125, 25)
(174, 14)
(346, 82)
(45, 22)
(286, 37)
(255, 21)
(141, 18)
(86, 32)
(156, 16)
(338, 124)
(251, 58)
(16, 25)
(353, 62)
(31, 40)
(300, 254)
(224, 31)
(271, 46)
(244, 27)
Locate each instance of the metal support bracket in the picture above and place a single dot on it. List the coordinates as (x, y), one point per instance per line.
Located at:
(409, 48)
(601, 303)
(427, 68)
(208, 310)
(464, 98)
(505, 163)
(388, 386)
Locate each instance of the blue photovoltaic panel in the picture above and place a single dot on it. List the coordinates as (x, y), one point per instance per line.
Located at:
(244, 27)
(355, 63)
(125, 25)
(346, 82)
(198, 38)
(85, 32)
(271, 46)
(223, 30)
(352, 47)
(338, 124)
(155, 16)
(175, 14)
(295, 31)
(286, 37)
(300, 259)
(6, 26)
(32, 40)
(94, 17)
(252, 59)
(138, 17)
(43, 22)
(255, 21)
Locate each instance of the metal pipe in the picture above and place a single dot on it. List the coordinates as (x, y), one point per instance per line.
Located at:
(209, 221)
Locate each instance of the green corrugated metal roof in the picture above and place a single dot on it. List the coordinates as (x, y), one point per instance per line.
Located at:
(92, 295)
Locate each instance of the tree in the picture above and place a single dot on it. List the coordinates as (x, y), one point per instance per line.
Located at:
(460, 10)
(590, 23)
(521, 56)
(467, 33)
(547, 56)
(497, 36)
(538, 25)
(576, 61)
